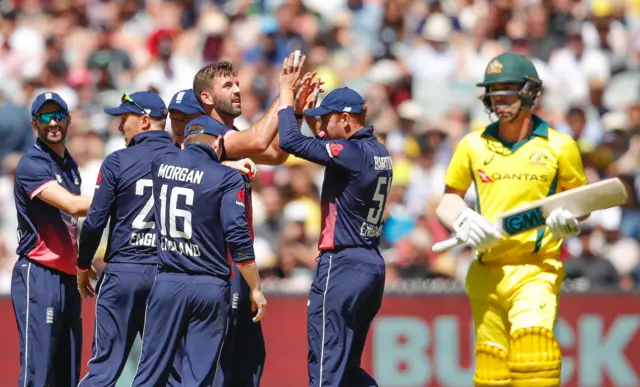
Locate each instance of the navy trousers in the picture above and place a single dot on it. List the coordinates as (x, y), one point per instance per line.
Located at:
(345, 296)
(48, 311)
(187, 310)
(244, 352)
(120, 305)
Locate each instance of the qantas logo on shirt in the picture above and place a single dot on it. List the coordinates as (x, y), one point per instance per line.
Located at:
(99, 177)
(484, 177)
(241, 198)
(334, 149)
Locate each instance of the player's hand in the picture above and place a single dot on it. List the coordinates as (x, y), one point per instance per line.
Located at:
(308, 93)
(563, 224)
(258, 303)
(244, 166)
(476, 231)
(84, 282)
(290, 75)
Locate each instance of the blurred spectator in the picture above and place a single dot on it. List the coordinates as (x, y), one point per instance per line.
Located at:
(595, 269)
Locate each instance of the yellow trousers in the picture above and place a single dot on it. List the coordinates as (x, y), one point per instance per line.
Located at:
(505, 298)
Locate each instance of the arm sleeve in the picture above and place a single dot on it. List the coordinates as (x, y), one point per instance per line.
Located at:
(570, 170)
(459, 174)
(338, 153)
(34, 174)
(98, 215)
(234, 220)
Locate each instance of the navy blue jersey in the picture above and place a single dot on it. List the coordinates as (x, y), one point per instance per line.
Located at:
(46, 234)
(124, 194)
(247, 186)
(356, 183)
(201, 213)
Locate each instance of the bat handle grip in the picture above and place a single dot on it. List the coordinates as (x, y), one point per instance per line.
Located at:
(441, 247)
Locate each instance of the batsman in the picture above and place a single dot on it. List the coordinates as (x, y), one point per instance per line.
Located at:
(514, 284)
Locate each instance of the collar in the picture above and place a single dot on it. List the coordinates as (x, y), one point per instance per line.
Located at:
(67, 160)
(540, 128)
(149, 135)
(365, 132)
(202, 149)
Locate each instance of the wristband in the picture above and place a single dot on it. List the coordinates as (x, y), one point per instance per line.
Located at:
(299, 116)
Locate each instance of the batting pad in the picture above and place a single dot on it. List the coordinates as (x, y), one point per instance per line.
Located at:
(535, 359)
(492, 368)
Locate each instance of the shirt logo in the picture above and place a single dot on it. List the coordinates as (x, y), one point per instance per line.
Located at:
(59, 178)
(484, 177)
(538, 158)
(241, 198)
(494, 67)
(488, 160)
(334, 150)
(49, 318)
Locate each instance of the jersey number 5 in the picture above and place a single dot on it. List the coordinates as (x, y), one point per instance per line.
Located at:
(379, 196)
(175, 212)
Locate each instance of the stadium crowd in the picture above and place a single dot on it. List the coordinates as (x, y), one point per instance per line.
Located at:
(416, 61)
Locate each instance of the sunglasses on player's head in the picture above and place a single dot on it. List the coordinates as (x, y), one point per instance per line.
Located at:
(126, 99)
(58, 115)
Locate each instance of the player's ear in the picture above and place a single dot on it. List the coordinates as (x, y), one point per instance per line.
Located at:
(34, 126)
(206, 98)
(146, 122)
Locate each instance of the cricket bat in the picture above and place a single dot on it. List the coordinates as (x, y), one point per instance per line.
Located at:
(579, 201)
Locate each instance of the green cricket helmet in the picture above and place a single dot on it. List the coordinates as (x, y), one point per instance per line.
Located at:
(511, 68)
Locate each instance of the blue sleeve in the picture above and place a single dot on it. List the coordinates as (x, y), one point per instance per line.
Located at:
(334, 153)
(34, 174)
(234, 219)
(98, 215)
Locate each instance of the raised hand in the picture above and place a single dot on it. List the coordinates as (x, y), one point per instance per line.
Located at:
(308, 93)
(291, 75)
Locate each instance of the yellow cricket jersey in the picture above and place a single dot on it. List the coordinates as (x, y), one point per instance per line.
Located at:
(510, 175)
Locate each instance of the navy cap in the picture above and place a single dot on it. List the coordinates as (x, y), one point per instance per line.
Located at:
(185, 101)
(147, 102)
(47, 97)
(210, 126)
(344, 100)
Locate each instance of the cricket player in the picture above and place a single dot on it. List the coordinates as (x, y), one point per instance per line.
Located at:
(514, 284)
(218, 91)
(43, 286)
(124, 194)
(189, 302)
(183, 108)
(348, 285)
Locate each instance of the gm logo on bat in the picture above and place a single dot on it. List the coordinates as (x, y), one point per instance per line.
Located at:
(523, 221)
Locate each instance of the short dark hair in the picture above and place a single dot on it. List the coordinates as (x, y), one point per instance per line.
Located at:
(195, 136)
(203, 78)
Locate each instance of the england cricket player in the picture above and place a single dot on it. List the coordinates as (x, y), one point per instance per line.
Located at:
(189, 302)
(348, 285)
(123, 194)
(514, 283)
(217, 89)
(183, 108)
(43, 286)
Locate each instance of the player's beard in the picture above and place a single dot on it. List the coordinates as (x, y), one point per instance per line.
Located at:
(53, 134)
(227, 107)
